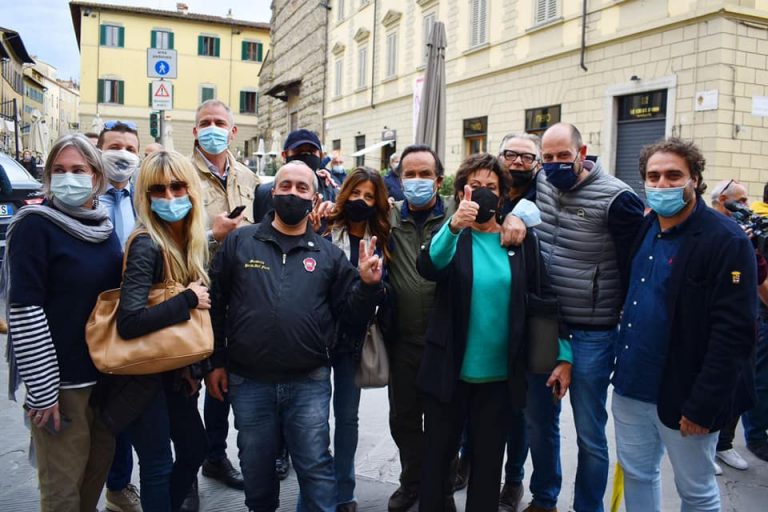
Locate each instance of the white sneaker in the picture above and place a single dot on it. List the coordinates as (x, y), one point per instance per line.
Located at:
(733, 459)
(718, 469)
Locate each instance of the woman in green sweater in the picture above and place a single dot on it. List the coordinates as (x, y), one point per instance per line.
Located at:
(474, 363)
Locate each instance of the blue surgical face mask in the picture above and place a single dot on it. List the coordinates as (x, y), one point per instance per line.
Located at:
(666, 202)
(561, 175)
(338, 168)
(213, 140)
(72, 189)
(171, 210)
(418, 191)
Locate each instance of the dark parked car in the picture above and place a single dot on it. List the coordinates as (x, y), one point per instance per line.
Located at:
(26, 190)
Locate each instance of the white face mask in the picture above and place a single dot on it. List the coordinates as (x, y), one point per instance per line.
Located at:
(119, 165)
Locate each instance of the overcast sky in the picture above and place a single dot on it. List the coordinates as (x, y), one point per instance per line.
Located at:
(46, 25)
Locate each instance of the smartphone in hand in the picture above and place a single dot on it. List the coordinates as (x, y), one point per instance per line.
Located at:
(236, 212)
(556, 392)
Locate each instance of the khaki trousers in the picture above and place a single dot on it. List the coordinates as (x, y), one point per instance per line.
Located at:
(72, 465)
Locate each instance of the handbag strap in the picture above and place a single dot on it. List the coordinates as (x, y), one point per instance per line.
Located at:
(166, 263)
(536, 262)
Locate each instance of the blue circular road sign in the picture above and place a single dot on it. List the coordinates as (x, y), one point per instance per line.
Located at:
(162, 67)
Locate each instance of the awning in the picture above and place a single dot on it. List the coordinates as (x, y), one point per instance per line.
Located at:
(374, 147)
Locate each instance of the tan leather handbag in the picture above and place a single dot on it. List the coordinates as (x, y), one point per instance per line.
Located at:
(170, 348)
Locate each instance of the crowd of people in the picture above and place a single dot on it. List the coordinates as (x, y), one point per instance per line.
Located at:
(541, 274)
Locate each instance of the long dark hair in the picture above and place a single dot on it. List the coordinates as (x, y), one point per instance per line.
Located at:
(378, 224)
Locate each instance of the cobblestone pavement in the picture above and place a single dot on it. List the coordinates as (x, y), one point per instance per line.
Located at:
(377, 467)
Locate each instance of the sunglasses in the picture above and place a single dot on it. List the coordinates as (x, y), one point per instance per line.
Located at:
(175, 186)
(726, 187)
(111, 125)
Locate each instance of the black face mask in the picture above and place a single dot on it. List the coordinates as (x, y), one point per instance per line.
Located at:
(488, 202)
(313, 161)
(291, 208)
(521, 178)
(358, 210)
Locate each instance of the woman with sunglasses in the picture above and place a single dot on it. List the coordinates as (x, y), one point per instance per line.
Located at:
(170, 221)
(361, 212)
(59, 256)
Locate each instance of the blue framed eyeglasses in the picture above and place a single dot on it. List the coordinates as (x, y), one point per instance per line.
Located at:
(111, 125)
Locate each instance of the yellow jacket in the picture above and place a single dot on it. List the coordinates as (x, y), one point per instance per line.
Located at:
(241, 183)
(760, 208)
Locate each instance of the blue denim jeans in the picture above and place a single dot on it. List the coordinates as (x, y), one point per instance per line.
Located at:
(216, 415)
(122, 464)
(755, 421)
(641, 439)
(171, 416)
(299, 409)
(346, 402)
(593, 361)
(538, 426)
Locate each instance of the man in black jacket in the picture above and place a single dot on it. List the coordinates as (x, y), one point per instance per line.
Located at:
(278, 290)
(684, 367)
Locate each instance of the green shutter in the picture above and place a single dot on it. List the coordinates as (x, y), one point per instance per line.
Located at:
(259, 50)
(121, 37)
(120, 90)
(153, 39)
(207, 93)
(242, 101)
(244, 50)
(170, 40)
(102, 35)
(100, 92)
(257, 103)
(215, 46)
(200, 45)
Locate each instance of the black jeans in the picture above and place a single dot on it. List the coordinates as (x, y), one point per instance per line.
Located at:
(727, 433)
(486, 407)
(406, 410)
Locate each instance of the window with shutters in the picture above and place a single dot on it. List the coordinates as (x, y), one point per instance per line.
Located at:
(478, 23)
(112, 35)
(546, 10)
(340, 10)
(249, 102)
(252, 51)
(207, 92)
(359, 144)
(162, 39)
(362, 65)
(338, 67)
(391, 55)
(111, 91)
(427, 24)
(208, 46)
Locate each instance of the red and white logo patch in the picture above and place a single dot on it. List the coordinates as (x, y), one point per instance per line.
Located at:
(309, 264)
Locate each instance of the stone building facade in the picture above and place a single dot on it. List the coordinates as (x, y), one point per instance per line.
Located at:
(293, 77)
(645, 70)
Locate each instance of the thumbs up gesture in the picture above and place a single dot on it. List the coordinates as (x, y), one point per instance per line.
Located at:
(368, 263)
(466, 213)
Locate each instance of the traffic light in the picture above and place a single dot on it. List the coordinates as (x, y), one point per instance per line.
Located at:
(154, 124)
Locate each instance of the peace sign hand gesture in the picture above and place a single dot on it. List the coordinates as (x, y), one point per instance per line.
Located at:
(466, 213)
(368, 263)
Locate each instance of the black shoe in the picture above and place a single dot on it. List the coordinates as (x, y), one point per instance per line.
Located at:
(223, 471)
(511, 496)
(462, 474)
(450, 505)
(402, 499)
(192, 502)
(350, 506)
(283, 465)
(759, 449)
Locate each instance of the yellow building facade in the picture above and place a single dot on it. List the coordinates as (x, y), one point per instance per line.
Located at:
(625, 72)
(216, 58)
(13, 59)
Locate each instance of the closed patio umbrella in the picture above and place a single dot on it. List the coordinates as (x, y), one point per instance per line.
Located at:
(430, 128)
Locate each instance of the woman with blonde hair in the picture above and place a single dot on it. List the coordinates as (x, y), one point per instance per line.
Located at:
(170, 222)
(59, 256)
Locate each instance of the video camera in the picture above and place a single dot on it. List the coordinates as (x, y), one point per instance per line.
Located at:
(757, 224)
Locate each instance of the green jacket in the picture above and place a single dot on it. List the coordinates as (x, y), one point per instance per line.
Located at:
(414, 294)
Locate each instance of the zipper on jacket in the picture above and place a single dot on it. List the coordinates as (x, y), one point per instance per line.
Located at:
(284, 256)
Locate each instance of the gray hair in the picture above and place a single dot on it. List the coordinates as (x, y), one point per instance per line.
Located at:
(215, 103)
(393, 156)
(523, 136)
(315, 182)
(720, 188)
(86, 148)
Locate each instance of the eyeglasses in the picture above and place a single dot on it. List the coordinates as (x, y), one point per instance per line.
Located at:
(526, 158)
(175, 186)
(111, 125)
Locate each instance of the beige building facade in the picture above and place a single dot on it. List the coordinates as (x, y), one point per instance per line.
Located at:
(216, 57)
(13, 59)
(625, 72)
